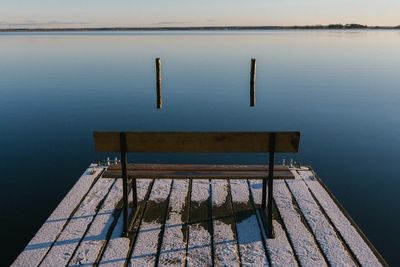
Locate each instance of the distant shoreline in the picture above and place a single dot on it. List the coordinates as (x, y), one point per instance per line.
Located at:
(206, 28)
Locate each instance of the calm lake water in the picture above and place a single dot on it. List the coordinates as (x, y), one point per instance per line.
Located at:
(341, 89)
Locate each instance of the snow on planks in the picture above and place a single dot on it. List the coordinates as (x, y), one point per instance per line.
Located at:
(252, 252)
(361, 250)
(302, 239)
(68, 241)
(199, 251)
(325, 234)
(52, 227)
(145, 248)
(225, 240)
(199, 223)
(173, 249)
(116, 251)
(95, 238)
(279, 248)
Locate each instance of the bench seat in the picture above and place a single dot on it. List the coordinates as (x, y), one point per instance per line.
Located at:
(197, 171)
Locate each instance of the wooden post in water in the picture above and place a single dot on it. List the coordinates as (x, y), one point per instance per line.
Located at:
(253, 83)
(158, 78)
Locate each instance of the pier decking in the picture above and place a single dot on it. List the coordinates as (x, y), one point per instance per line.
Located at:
(199, 223)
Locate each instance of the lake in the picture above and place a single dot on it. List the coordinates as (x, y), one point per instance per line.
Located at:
(341, 89)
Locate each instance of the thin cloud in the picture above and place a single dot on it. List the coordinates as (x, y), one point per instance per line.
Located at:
(171, 22)
(33, 23)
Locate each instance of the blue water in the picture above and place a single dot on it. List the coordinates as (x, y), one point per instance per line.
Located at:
(340, 89)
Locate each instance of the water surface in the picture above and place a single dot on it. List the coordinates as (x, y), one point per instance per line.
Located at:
(341, 89)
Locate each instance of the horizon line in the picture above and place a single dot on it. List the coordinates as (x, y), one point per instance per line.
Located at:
(227, 27)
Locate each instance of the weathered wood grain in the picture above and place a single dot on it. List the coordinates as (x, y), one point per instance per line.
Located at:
(198, 142)
(200, 174)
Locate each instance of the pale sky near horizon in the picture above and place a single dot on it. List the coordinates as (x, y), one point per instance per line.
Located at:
(154, 13)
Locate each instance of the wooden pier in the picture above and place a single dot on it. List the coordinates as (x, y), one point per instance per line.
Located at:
(199, 222)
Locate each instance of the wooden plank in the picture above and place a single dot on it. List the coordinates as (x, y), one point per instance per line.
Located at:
(205, 142)
(303, 242)
(145, 248)
(116, 250)
(325, 234)
(225, 240)
(200, 174)
(63, 249)
(196, 167)
(199, 242)
(100, 229)
(173, 249)
(252, 252)
(279, 249)
(359, 247)
(51, 229)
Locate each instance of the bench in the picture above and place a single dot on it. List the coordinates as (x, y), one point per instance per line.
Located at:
(198, 142)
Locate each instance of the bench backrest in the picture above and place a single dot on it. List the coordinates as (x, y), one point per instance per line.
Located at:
(197, 142)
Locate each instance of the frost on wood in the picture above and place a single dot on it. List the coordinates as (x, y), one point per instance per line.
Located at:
(278, 248)
(144, 253)
(331, 245)
(178, 196)
(199, 248)
(356, 243)
(173, 248)
(94, 239)
(145, 248)
(117, 248)
(240, 191)
(249, 236)
(219, 192)
(250, 244)
(160, 191)
(44, 238)
(303, 242)
(67, 242)
(226, 253)
(225, 245)
(200, 189)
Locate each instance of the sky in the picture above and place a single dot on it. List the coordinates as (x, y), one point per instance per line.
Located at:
(162, 13)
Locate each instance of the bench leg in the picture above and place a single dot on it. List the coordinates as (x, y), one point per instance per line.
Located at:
(264, 194)
(266, 208)
(134, 194)
(270, 194)
(125, 214)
